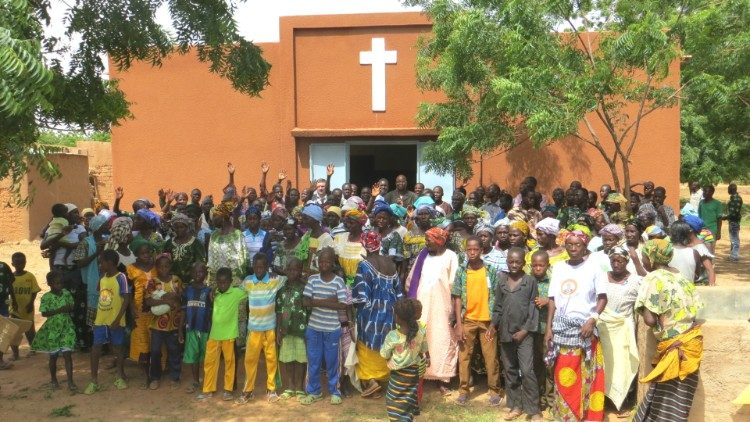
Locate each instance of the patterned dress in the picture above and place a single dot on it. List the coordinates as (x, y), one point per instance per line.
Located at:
(227, 250)
(57, 334)
(350, 255)
(392, 245)
(184, 256)
(140, 338)
(292, 323)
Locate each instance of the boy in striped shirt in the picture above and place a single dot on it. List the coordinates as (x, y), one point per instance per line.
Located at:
(261, 287)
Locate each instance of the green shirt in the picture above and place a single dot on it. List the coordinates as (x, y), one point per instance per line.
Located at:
(710, 212)
(459, 287)
(225, 314)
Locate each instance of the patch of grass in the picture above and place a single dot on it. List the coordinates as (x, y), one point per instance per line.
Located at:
(62, 412)
(452, 412)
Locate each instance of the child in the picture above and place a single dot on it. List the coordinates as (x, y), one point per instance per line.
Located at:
(6, 291)
(164, 289)
(261, 287)
(224, 330)
(291, 322)
(424, 362)
(404, 348)
(57, 334)
(473, 298)
(544, 376)
(514, 318)
(325, 293)
(194, 333)
(109, 324)
(25, 289)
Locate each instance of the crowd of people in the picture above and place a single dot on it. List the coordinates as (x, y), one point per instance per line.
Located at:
(383, 290)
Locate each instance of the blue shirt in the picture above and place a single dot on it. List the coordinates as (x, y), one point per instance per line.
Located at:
(325, 319)
(259, 242)
(197, 308)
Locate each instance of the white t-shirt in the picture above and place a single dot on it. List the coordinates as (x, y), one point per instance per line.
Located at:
(575, 288)
(70, 238)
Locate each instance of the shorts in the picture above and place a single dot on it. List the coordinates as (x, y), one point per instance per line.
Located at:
(292, 350)
(4, 309)
(195, 346)
(103, 335)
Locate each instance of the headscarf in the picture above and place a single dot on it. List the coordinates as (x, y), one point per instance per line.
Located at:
(334, 209)
(122, 227)
(469, 209)
(97, 222)
(151, 218)
(647, 213)
(688, 209)
(313, 211)
(521, 226)
(356, 215)
(502, 222)
(424, 201)
(595, 213)
(253, 210)
(619, 250)
(580, 231)
(381, 206)
(139, 242)
(354, 203)
(695, 222)
(224, 209)
(280, 211)
(549, 226)
(517, 214)
(398, 211)
(371, 241)
(612, 230)
(70, 207)
(87, 211)
(654, 230)
(617, 198)
(437, 236)
(658, 251)
(180, 218)
(482, 227)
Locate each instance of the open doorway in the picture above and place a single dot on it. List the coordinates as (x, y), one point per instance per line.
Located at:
(369, 163)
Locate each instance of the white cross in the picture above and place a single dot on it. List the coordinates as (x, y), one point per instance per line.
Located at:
(378, 58)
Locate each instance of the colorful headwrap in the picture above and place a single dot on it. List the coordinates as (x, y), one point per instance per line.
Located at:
(517, 214)
(706, 236)
(151, 218)
(180, 218)
(695, 222)
(398, 211)
(482, 227)
(224, 209)
(424, 201)
(371, 241)
(253, 210)
(280, 211)
(658, 251)
(313, 211)
(437, 236)
(617, 198)
(580, 231)
(334, 209)
(621, 251)
(357, 215)
(521, 226)
(354, 203)
(655, 231)
(381, 206)
(297, 211)
(121, 229)
(502, 222)
(595, 213)
(139, 242)
(612, 230)
(469, 209)
(87, 211)
(549, 226)
(97, 222)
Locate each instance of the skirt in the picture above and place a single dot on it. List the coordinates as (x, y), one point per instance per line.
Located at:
(140, 339)
(292, 350)
(370, 365)
(579, 384)
(401, 394)
(668, 401)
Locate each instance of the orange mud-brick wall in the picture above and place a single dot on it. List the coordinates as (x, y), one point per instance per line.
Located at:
(188, 123)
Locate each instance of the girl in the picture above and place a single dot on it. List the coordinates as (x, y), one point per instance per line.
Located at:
(291, 324)
(633, 245)
(404, 348)
(57, 334)
(291, 247)
(139, 275)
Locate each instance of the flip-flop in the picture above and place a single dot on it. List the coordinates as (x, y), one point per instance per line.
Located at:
(336, 400)
(121, 384)
(372, 389)
(310, 399)
(91, 389)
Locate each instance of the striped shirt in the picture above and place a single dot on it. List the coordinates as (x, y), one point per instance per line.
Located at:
(325, 319)
(261, 301)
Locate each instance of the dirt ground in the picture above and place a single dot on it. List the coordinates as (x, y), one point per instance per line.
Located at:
(24, 393)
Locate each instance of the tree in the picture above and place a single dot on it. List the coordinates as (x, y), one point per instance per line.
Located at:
(715, 109)
(532, 68)
(37, 91)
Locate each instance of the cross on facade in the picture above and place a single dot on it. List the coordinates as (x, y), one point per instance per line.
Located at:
(378, 57)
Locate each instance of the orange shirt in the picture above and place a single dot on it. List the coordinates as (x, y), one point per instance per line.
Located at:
(477, 295)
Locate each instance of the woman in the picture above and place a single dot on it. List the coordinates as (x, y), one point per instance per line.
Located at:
(547, 231)
(85, 256)
(414, 239)
(385, 223)
(668, 303)
(292, 246)
(617, 328)
(518, 234)
(377, 287)
(600, 220)
(633, 243)
(147, 223)
(611, 235)
(491, 256)
(317, 239)
(348, 245)
(184, 248)
(691, 256)
(471, 216)
(577, 296)
(502, 244)
(139, 274)
(120, 236)
(430, 281)
(226, 247)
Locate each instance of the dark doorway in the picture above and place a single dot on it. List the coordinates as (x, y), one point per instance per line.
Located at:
(369, 163)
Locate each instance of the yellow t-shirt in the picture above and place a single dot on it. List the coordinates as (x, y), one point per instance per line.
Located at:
(112, 290)
(477, 295)
(23, 288)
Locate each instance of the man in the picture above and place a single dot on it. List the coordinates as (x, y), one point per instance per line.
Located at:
(527, 184)
(457, 203)
(604, 192)
(665, 215)
(710, 211)
(319, 195)
(443, 207)
(734, 215)
(401, 195)
(346, 192)
(648, 190)
(195, 197)
(418, 189)
(493, 206)
(696, 194)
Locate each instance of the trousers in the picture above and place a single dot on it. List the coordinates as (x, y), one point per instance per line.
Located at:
(257, 341)
(322, 346)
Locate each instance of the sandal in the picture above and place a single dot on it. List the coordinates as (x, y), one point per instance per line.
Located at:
(335, 400)
(121, 384)
(5, 365)
(310, 399)
(513, 415)
(154, 385)
(372, 389)
(143, 385)
(54, 385)
(286, 395)
(462, 399)
(91, 389)
(72, 388)
(192, 388)
(244, 398)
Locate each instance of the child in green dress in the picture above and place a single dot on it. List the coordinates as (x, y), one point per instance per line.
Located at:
(57, 335)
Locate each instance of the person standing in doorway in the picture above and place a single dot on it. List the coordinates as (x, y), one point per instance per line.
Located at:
(401, 195)
(733, 216)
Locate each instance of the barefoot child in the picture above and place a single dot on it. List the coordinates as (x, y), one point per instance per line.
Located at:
(194, 333)
(25, 289)
(324, 294)
(539, 269)
(109, 324)
(514, 318)
(261, 287)
(291, 322)
(224, 330)
(57, 335)
(404, 348)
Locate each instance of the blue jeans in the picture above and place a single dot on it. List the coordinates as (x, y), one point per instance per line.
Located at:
(322, 345)
(734, 239)
(169, 338)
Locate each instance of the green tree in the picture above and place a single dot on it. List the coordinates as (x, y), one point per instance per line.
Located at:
(531, 68)
(38, 92)
(715, 109)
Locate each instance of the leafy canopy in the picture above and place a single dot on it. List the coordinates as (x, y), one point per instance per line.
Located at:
(38, 91)
(514, 70)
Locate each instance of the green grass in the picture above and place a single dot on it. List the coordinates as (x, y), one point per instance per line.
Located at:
(62, 412)
(69, 139)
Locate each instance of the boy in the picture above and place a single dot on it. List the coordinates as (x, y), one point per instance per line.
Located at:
(194, 333)
(473, 296)
(261, 288)
(109, 324)
(544, 376)
(325, 293)
(224, 330)
(25, 289)
(734, 215)
(710, 210)
(514, 318)
(6, 291)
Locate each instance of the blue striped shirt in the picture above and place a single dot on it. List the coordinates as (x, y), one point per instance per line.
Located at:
(325, 319)
(261, 301)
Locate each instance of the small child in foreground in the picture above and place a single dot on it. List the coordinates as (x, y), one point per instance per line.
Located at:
(57, 335)
(194, 333)
(404, 348)
(544, 376)
(25, 289)
(290, 328)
